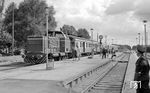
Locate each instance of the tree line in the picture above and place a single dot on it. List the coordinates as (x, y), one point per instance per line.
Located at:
(70, 30)
(30, 19)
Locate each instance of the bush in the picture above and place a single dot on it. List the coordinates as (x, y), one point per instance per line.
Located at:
(148, 49)
(17, 52)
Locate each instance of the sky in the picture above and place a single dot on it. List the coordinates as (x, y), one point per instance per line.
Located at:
(118, 20)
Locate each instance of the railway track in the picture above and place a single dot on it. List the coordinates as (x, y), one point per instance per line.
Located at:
(13, 65)
(112, 81)
(108, 80)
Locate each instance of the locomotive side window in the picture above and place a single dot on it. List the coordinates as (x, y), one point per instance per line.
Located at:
(81, 44)
(77, 44)
(58, 34)
(50, 34)
(55, 34)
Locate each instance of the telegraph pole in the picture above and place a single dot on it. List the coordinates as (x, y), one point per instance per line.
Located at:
(136, 41)
(145, 21)
(47, 63)
(92, 43)
(139, 37)
(13, 31)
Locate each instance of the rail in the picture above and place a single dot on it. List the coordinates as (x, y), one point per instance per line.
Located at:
(76, 79)
(88, 88)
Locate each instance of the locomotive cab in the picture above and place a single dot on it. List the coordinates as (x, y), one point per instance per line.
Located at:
(64, 41)
(58, 47)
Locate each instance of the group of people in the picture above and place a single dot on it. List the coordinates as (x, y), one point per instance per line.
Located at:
(105, 53)
(76, 54)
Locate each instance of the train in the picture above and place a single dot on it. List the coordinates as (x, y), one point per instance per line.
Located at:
(59, 45)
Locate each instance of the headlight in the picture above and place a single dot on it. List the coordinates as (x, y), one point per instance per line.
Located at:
(39, 56)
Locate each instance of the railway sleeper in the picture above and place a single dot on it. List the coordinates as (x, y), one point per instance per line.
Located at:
(88, 80)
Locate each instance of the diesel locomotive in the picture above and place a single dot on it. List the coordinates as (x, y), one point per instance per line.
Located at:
(59, 45)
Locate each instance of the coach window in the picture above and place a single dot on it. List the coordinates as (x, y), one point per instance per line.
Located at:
(90, 45)
(76, 43)
(80, 44)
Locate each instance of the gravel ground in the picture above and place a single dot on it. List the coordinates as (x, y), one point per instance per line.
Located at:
(9, 59)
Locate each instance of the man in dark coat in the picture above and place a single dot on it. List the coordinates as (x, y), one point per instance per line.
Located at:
(142, 71)
(103, 53)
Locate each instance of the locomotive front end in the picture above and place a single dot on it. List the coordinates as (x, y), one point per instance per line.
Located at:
(35, 50)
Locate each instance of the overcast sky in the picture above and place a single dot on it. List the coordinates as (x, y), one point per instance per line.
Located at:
(120, 20)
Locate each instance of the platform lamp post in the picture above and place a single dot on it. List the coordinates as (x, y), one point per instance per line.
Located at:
(100, 41)
(145, 21)
(92, 43)
(136, 41)
(112, 41)
(106, 40)
(47, 63)
(139, 37)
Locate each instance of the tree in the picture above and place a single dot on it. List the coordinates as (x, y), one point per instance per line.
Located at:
(82, 32)
(69, 30)
(29, 19)
(1, 5)
(5, 40)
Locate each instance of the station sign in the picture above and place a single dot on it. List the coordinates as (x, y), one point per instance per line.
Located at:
(100, 36)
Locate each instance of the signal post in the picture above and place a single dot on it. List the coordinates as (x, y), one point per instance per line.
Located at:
(100, 37)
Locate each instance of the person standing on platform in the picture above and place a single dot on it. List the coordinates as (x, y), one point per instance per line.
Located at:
(113, 53)
(74, 53)
(103, 53)
(78, 52)
(142, 71)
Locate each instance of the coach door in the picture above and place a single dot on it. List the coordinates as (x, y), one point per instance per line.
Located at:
(83, 46)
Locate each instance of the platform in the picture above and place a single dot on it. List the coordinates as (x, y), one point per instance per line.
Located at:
(36, 79)
(127, 88)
